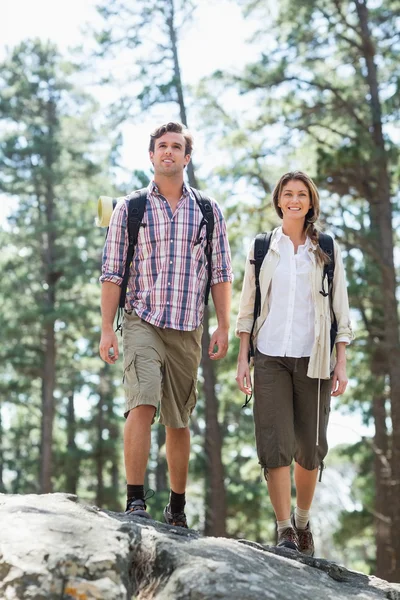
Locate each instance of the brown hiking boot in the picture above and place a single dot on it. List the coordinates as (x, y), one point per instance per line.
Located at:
(288, 539)
(305, 537)
(177, 519)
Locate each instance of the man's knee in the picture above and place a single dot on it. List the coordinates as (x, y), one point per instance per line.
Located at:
(144, 413)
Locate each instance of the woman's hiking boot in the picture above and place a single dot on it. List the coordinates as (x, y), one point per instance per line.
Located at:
(305, 537)
(288, 539)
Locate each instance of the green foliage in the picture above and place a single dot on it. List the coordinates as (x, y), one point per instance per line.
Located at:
(51, 262)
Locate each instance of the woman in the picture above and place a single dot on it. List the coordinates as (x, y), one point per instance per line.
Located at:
(294, 371)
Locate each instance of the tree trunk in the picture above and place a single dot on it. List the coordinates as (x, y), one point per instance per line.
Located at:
(49, 375)
(2, 487)
(104, 389)
(72, 463)
(215, 518)
(161, 465)
(382, 488)
(215, 513)
(115, 441)
(389, 300)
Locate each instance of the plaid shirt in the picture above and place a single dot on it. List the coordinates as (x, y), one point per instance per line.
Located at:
(168, 273)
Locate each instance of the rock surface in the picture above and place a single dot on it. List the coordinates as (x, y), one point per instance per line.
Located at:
(53, 548)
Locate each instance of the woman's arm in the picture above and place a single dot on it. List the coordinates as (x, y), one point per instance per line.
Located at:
(243, 378)
(339, 380)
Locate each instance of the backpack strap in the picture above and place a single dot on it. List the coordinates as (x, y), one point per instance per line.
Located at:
(261, 247)
(326, 243)
(136, 208)
(204, 203)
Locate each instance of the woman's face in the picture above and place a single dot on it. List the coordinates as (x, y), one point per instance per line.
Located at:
(294, 200)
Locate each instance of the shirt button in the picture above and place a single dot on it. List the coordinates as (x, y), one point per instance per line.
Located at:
(172, 241)
(167, 302)
(170, 262)
(169, 283)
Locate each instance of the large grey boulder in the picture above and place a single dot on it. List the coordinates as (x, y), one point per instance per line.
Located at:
(53, 548)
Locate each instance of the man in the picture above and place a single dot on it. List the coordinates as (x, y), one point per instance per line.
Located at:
(164, 307)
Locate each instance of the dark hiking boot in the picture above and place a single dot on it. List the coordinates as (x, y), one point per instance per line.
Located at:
(288, 539)
(305, 537)
(137, 508)
(177, 519)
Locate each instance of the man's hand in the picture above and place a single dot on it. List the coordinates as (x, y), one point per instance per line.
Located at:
(243, 378)
(219, 339)
(109, 346)
(339, 379)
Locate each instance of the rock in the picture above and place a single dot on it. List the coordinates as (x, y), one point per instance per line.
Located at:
(54, 548)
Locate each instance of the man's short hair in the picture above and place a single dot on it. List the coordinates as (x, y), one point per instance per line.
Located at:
(175, 128)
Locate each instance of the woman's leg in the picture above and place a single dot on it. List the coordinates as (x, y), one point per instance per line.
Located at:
(275, 438)
(305, 482)
(279, 488)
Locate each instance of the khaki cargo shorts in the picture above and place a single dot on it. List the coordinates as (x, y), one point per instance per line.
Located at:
(160, 368)
(285, 412)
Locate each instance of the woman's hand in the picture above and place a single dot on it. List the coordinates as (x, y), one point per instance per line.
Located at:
(243, 378)
(339, 380)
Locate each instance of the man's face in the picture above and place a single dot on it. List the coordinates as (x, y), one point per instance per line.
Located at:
(169, 156)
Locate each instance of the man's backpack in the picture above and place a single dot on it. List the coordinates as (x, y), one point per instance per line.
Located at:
(136, 208)
(261, 247)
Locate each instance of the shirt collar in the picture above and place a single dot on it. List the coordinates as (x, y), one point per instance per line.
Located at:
(153, 189)
(280, 235)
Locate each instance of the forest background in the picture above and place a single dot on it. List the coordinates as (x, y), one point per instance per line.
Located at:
(266, 87)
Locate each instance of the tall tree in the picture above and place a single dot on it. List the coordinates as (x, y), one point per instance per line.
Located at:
(52, 257)
(129, 27)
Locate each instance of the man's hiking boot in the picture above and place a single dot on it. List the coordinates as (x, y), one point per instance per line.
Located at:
(288, 539)
(137, 508)
(305, 537)
(177, 519)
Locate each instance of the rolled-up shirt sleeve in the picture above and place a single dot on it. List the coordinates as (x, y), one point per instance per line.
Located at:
(221, 254)
(340, 302)
(116, 246)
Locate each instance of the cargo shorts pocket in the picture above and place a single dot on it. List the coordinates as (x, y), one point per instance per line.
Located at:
(130, 379)
(191, 401)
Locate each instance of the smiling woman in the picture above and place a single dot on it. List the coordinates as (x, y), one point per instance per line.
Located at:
(293, 363)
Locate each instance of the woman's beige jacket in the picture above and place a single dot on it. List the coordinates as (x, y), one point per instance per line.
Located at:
(321, 362)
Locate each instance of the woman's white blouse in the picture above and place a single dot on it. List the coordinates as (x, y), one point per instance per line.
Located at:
(289, 327)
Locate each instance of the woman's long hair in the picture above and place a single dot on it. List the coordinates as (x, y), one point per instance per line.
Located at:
(312, 216)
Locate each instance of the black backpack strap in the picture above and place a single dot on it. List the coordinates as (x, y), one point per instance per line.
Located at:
(326, 243)
(136, 208)
(204, 203)
(261, 247)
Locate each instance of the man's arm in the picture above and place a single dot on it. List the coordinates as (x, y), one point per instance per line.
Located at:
(110, 293)
(221, 294)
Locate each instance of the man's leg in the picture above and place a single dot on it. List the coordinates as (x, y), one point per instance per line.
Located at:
(143, 360)
(183, 352)
(178, 452)
(137, 443)
(136, 452)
